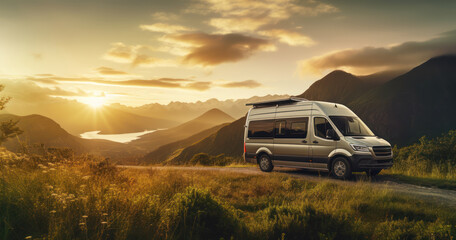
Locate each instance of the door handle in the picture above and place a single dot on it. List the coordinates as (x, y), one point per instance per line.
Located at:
(315, 141)
(304, 141)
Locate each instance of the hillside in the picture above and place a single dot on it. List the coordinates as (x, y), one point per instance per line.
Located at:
(40, 130)
(337, 86)
(417, 103)
(228, 141)
(164, 152)
(159, 138)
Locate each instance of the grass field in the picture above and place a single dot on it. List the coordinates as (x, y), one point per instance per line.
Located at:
(54, 196)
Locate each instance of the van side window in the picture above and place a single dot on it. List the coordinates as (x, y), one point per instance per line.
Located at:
(321, 126)
(261, 129)
(298, 128)
(280, 129)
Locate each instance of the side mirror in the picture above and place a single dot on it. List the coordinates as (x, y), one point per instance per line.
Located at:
(331, 134)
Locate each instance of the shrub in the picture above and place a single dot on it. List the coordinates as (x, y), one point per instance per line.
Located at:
(429, 157)
(195, 214)
(288, 222)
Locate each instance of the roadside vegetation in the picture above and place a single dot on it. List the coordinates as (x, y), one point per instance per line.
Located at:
(57, 195)
(430, 162)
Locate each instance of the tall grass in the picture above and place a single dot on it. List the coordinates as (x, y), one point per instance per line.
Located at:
(434, 158)
(82, 197)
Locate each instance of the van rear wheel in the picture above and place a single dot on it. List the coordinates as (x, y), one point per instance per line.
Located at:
(341, 169)
(265, 163)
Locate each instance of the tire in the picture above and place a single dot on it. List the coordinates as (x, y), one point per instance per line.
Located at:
(341, 169)
(265, 163)
(373, 173)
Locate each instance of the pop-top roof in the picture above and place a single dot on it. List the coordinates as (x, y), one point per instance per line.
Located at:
(277, 101)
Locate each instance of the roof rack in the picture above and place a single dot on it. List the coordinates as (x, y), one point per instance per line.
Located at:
(278, 101)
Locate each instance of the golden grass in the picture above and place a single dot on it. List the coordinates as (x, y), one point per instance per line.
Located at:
(53, 197)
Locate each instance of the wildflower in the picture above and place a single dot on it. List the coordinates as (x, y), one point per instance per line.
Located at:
(54, 194)
(52, 212)
(51, 169)
(28, 237)
(81, 224)
(104, 223)
(86, 177)
(44, 171)
(105, 214)
(85, 216)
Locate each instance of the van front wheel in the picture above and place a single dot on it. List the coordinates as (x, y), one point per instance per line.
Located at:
(341, 168)
(265, 163)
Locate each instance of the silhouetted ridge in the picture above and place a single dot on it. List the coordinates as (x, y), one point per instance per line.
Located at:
(337, 86)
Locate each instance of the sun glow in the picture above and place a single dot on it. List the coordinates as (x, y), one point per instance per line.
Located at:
(94, 102)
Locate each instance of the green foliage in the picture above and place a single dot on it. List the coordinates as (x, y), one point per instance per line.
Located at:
(8, 129)
(195, 214)
(294, 222)
(429, 157)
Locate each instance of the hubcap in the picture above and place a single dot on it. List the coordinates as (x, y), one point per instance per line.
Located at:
(264, 163)
(339, 168)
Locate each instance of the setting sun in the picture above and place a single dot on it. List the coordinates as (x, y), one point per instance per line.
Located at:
(94, 102)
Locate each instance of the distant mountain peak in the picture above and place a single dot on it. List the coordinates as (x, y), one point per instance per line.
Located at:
(215, 113)
(338, 73)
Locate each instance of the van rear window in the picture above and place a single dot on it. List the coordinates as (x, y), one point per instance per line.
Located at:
(261, 129)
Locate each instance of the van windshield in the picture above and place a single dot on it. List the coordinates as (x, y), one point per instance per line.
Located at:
(351, 126)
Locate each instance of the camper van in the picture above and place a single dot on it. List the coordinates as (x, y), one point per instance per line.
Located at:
(323, 136)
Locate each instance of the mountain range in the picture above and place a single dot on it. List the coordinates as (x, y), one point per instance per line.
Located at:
(211, 118)
(402, 109)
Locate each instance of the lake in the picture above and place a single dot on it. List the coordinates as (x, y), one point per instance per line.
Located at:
(121, 138)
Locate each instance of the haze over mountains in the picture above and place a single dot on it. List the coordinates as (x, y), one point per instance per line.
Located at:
(416, 103)
(209, 119)
(182, 111)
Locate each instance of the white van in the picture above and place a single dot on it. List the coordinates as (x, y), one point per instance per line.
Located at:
(323, 136)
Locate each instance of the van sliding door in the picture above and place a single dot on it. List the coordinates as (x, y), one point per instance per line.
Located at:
(291, 142)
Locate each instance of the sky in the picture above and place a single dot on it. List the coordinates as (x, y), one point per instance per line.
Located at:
(137, 52)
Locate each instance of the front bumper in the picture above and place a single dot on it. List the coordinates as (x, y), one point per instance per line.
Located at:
(362, 162)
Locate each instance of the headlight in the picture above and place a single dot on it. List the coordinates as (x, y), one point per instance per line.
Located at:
(360, 148)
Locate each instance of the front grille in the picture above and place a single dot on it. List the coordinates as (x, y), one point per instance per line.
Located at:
(384, 161)
(382, 151)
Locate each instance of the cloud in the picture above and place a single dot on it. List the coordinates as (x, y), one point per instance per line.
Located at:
(256, 13)
(26, 91)
(136, 55)
(241, 24)
(165, 28)
(242, 84)
(178, 83)
(165, 16)
(157, 83)
(291, 38)
(109, 71)
(214, 49)
(200, 86)
(371, 59)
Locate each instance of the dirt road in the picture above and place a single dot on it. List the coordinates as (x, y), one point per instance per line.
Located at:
(443, 196)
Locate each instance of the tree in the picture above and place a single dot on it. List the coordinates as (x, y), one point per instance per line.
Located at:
(8, 129)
